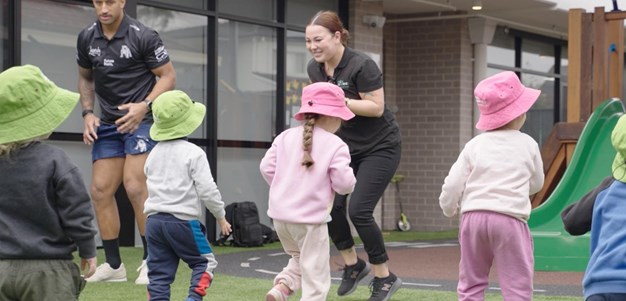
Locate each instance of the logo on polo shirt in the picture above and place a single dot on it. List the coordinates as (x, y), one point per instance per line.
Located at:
(343, 84)
(135, 27)
(160, 53)
(109, 62)
(94, 51)
(125, 52)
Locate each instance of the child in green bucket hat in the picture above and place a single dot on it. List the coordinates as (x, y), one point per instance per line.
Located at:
(45, 210)
(180, 184)
(602, 211)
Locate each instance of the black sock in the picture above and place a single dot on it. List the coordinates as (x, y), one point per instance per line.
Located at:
(145, 247)
(112, 253)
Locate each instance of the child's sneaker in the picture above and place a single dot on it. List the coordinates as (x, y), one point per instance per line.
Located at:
(104, 273)
(383, 288)
(143, 274)
(352, 274)
(278, 293)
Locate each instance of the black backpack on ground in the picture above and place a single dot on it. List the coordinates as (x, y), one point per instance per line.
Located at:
(244, 220)
(269, 234)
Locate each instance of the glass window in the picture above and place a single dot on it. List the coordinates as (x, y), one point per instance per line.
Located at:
(502, 49)
(49, 42)
(299, 12)
(185, 37)
(257, 9)
(537, 56)
(240, 180)
(563, 83)
(199, 4)
(296, 61)
(4, 34)
(246, 82)
(540, 118)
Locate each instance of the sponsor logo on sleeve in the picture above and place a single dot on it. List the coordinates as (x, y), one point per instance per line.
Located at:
(160, 53)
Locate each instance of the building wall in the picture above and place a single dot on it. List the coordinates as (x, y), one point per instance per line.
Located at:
(428, 75)
(363, 37)
(392, 198)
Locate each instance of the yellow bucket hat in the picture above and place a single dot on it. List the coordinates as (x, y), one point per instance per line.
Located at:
(31, 105)
(175, 116)
(618, 139)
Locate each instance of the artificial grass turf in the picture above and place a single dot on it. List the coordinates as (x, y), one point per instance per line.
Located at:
(230, 288)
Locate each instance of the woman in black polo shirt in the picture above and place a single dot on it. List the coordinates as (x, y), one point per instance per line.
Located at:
(374, 140)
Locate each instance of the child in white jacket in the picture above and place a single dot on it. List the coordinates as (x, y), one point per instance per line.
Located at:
(180, 186)
(491, 182)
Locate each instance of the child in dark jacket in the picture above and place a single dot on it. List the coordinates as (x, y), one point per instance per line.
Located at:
(603, 212)
(45, 210)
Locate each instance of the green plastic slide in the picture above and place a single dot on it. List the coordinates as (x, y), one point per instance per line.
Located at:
(555, 249)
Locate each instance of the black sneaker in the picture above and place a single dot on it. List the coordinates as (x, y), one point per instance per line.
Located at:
(383, 288)
(352, 274)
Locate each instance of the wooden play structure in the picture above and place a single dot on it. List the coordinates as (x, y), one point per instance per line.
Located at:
(583, 142)
(595, 74)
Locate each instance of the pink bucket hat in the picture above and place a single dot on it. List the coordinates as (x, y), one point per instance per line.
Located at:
(502, 98)
(324, 99)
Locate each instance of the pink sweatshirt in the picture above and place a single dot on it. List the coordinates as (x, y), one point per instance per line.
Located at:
(305, 195)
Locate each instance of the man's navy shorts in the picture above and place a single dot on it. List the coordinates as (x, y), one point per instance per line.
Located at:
(112, 144)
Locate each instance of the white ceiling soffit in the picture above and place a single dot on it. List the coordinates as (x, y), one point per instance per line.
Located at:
(537, 16)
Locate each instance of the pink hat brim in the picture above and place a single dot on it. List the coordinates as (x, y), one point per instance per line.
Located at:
(340, 112)
(521, 105)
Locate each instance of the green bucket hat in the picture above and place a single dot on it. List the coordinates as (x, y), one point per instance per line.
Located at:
(618, 139)
(31, 105)
(175, 116)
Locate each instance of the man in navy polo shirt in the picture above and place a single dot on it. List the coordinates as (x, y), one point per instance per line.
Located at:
(119, 60)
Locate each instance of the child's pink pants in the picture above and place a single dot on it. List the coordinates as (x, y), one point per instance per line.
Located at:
(488, 237)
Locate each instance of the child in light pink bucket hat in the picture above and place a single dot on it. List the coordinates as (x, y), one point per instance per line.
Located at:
(502, 98)
(490, 184)
(305, 167)
(324, 99)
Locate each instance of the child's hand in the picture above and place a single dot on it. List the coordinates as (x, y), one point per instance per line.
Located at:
(224, 226)
(88, 266)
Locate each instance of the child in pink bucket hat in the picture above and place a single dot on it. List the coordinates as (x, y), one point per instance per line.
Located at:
(305, 167)
(502, 98)
(490, 184)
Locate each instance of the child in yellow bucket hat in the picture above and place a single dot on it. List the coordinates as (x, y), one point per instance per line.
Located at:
(180, 184)
(45, 210)
(603, 212)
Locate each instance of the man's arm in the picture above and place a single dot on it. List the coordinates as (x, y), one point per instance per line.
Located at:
(137, 111)
(87, 100)
(166, 82)
(86, 88)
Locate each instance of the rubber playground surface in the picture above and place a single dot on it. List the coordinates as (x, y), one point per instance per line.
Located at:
(434, 265)
(421, 265)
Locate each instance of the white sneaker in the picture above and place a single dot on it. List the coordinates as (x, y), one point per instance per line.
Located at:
(143, 274)
(104, 273)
